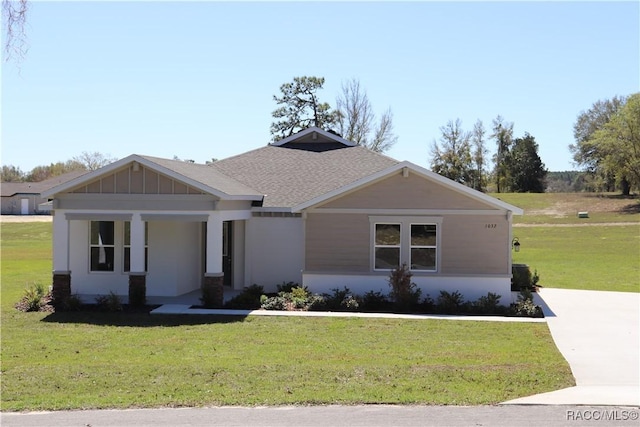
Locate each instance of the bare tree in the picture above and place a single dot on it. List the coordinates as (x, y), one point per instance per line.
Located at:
(356, 120)
(14, 18)
(93, 161)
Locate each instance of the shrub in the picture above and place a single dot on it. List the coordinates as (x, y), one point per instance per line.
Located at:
(375, 301)
(427, 305)
(111, 302)
(288, 287)
(274, 303)
(523, 278)
(35, 298)
(404, 293)
(71, 303)
(489, 304)
(450, 303)
(525, 306)
(341, 299)
(248, 299)
(299, 298)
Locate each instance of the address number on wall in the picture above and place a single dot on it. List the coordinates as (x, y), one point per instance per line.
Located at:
(491, 226)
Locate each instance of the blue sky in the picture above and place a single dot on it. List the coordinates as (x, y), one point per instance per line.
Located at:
(196, 79)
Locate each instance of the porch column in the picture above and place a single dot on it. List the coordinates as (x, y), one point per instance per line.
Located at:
(213, 284)
(61, 284)
(137, 274)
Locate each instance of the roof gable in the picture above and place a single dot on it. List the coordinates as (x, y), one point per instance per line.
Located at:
(459, 196)
(314, 139)
(128, 176)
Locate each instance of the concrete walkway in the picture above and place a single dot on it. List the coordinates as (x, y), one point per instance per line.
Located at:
(186, 309)
(597, 333)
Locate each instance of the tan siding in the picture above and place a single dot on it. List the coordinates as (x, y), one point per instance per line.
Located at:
(94, 187)
(413, 192)
(166, 185)
(122, 181)
(337, 243)
(179, 188)
(109, 184)
(471, 245)
(150, 182)
(137, 182)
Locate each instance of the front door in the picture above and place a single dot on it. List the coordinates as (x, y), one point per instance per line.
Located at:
(227, 252)
(24, 207)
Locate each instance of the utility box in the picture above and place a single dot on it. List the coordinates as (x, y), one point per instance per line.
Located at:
(583, 214)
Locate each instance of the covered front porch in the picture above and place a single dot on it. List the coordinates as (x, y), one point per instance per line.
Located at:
(163, 256)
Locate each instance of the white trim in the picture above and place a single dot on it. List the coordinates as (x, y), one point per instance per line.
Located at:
(175, 217)
(97, 216)
(401, 212)
(310, 130)
(397, 168)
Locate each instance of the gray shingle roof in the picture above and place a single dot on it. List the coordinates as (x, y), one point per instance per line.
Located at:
(206, 175)
(12, 188)
(290, 176)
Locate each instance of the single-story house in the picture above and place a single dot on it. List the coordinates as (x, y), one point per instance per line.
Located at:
(313, 208)
(25, 198)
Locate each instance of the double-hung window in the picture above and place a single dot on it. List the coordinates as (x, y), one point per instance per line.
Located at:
(102, 245)
(423, 247)
(387, 246)
(405, 240)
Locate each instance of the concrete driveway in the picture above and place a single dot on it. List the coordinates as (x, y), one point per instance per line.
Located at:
(597, 333)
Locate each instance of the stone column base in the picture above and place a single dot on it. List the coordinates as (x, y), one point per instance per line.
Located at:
(213, 290)
(61, 289)
(137, 289)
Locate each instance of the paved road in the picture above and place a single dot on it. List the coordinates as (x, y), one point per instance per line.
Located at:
(337, 416)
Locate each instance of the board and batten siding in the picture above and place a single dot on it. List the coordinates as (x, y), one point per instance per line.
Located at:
(412, 192)
(337, 242)
(142, 181)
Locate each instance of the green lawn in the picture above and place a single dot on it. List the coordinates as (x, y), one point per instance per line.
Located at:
(103, 360)
(594, 257)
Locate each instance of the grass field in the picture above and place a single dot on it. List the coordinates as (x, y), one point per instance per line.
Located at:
(120, 360)
(605, 258)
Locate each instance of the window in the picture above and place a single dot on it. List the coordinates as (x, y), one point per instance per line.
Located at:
(423, 247)
(410, 240)
(102, 245)
(127, 247)
(387, 246)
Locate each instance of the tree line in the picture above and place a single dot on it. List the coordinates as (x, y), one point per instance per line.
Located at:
(85, 161)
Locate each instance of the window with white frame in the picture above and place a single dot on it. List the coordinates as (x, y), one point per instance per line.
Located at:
(127, 247)
(387, 246)
(102, 245)
(424, 240)
(405, 240)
